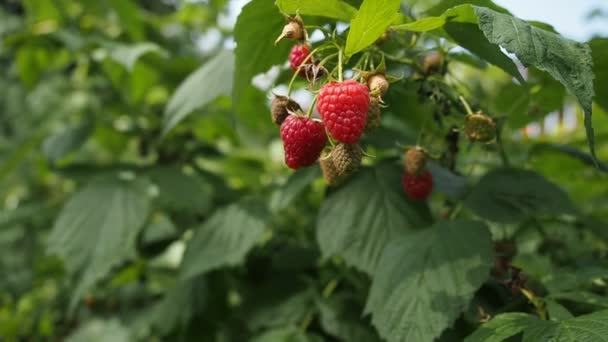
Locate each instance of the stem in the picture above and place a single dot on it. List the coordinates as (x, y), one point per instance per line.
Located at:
(308, 58)
(466, 105)
(329, 288)
(312, 105)
(340, 57)
(501, 149)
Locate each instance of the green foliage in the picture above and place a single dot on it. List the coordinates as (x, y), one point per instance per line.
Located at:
(370, 22)
(356, 224)
(144, 196)
(430, 275)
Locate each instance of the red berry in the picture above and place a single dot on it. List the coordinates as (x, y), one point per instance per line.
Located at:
(343, 107)
(417, 187)
(297, 56)
(303, 140)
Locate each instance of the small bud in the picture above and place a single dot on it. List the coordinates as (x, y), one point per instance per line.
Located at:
(432, 64)
(346, 158)
(293, 30)
(479, 128)
(378, 84)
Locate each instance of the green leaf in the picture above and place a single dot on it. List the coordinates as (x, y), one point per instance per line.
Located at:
(286, 334)
(444, 5)
(599, 50)
(511, 195)
(358, 220)
(224, 239)
(290, 310)
(371, 21)
(69, 140)
(297, 182)
(422, 25)
(259, 23)
(425, 280)
(128, 55)
(502, 327)
(567, 61)
(582, 297)
(341, 318)
(334, 9)
(592, 327)
(211, 80)
(130, 17)
(556, 311)
(181, 192)
(97, 228)
(98, 330)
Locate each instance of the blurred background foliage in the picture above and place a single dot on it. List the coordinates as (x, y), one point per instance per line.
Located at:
(118, 115)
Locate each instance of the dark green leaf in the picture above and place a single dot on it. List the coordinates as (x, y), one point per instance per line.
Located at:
(130, 17)
(335, 9)
(98, 226)
(511, 195)
(98, 330)
(342, 319)
(286, 194)
(444, 5)
(69, 140)
(371, 21)
(259, 23)
(599, 50)
(502, 327)
(211, 80)
(567, 61)
(359, 219)
(592, 327)
(224, 239)
(181, 192)
(426, 279)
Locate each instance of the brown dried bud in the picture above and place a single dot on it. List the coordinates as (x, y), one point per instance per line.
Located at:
(281, 107)
(293, 30)
(378, 84)
(479, 128)
(415, 160)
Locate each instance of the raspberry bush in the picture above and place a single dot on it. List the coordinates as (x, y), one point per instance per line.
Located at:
(322, 170)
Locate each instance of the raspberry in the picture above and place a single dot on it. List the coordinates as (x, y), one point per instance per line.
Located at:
(347, 158)
(303, 140)
(343, 107)
(417, 187)
(281, 107)
(479, 128)
(297, 56)
(415, 160)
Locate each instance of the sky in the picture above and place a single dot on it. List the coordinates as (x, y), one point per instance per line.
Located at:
(567, 16)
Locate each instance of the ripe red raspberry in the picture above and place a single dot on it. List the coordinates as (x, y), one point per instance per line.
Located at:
(343, 107)
(417, 187)
(297, 56)
(303, 140)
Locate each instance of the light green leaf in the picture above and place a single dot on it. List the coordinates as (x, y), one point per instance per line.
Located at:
(425, 280)
(358, 220)
(70, 139)
(297, 182)
(422, 25)
(371, 21)
(211, 80)
(98, 330)
(181, 192)
(224, 239)
(335, 9)
(502, 327)
(97, 228)
(128, 55)
(567, 61)
(511, 195)
(599, 50)
(258, 25)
